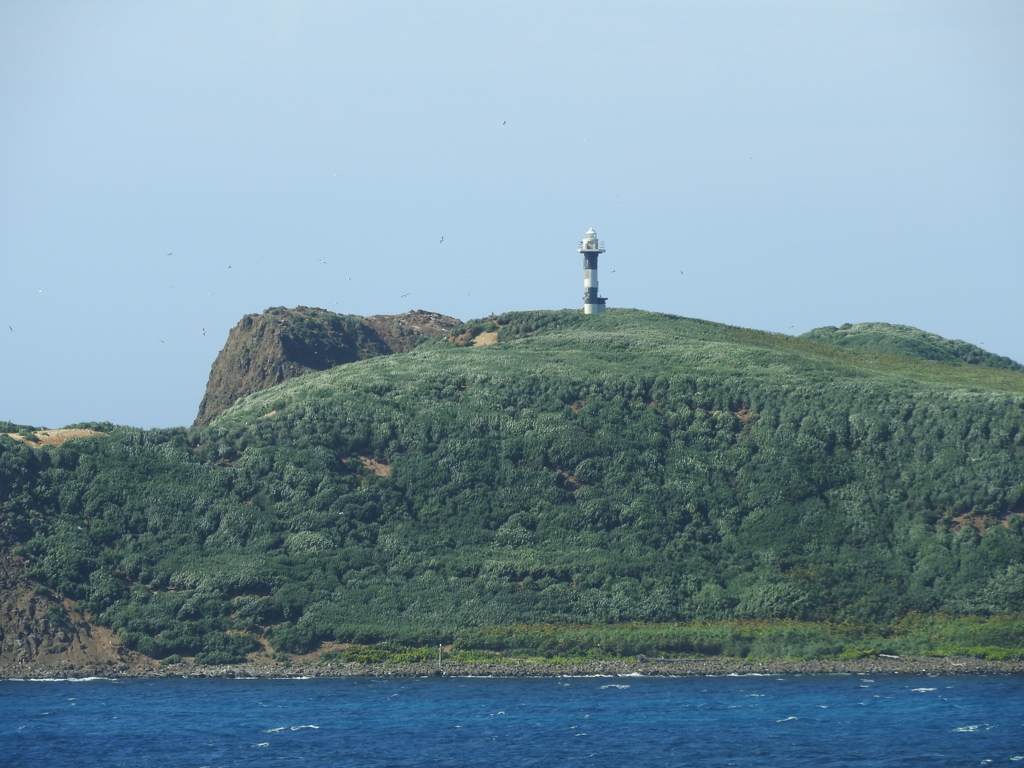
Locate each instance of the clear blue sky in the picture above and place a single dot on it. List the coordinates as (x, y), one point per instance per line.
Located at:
(169, 167)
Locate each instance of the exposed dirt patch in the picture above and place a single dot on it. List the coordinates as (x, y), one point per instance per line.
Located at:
(961, 521)
(55, 436)
(486, 339)
(326, 647)
(577, 406)
(981, 522)
(39, 627)
(744, 415)
(379, 468)
(570, 480)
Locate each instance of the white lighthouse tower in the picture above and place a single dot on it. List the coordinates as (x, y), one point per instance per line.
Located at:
(591, 248)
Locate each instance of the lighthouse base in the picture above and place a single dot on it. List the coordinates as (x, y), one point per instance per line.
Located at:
(593, 309)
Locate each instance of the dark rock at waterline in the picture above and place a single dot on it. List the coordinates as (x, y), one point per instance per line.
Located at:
(908, 665)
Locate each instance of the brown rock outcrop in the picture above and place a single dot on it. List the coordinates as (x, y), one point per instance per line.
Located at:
(265, 350)
(38, 627)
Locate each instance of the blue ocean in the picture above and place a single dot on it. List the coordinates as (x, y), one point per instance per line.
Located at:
(605, 721)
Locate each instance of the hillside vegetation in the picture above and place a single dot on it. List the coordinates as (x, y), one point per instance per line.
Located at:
(593, 470)
(910, 342)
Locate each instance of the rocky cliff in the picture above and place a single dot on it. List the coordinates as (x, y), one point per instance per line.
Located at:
(38, 626)
(266, 349)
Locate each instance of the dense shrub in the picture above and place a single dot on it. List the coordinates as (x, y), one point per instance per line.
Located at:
(608, 470)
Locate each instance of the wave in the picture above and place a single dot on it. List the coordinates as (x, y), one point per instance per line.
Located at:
(59, 679)
(575, 676)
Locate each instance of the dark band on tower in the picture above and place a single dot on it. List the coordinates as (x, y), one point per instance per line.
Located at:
(591, 248)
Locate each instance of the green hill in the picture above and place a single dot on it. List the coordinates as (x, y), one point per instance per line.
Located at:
(625, 467)
(909, 342)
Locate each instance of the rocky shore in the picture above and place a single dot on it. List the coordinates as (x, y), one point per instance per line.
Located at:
(906, 665)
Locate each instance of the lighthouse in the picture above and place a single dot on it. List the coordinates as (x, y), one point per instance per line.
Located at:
(591, 248)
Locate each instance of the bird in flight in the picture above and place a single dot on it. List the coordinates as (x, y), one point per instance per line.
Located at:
(204, 331)
(404, 295)
(502, 122)
(10, 327)
(321, 261)
(442, 239)
(170, 254)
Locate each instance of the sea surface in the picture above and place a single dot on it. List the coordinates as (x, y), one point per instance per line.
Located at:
(749, 720)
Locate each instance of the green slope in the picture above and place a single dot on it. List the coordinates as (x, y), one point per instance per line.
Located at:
(596, 469)
(909, 342)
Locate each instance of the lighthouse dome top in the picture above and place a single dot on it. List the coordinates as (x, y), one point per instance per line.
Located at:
(590, 242)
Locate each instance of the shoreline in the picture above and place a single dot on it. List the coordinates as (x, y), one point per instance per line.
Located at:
(712, 667)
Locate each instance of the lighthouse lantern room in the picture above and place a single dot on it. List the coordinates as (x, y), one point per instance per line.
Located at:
(591, 248)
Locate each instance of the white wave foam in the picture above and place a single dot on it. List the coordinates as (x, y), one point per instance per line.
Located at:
(261, 744)
(923, 690)
(612, 685)
(787, 719)
(274, 730)
(582, 676)
(972, 728)
(58, 679)
(300, 727)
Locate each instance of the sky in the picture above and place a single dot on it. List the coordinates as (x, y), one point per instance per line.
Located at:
(167, 168)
